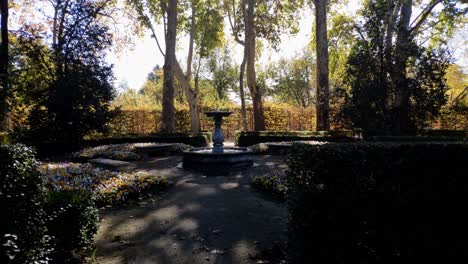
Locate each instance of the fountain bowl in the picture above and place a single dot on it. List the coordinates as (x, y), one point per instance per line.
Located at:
(205, 160)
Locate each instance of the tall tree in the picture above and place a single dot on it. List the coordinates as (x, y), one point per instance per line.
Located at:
(323, 89)
(4, 102)
(398, 82)
(255, 20)
(168, 110)
(202, 20)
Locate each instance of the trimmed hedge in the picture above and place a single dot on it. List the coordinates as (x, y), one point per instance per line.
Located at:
(73, 224)
(444, 133)
(23, 231)
(245, 139)
(201, 139)
(40, 227)
(50, 148)
(377, 202)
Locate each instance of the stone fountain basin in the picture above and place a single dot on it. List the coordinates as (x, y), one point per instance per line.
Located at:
(203, 159)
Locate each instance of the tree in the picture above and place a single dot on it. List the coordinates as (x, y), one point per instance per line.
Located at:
(66, 82)
(221, 72)
(168, 110)
(323, 89)
(202, 20)
(258, 19)
(398, 84)
(292, 80)
(4, 91)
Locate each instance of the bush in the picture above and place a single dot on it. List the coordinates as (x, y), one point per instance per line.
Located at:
(377, 202)
(73, 223)
(23, 232)
(244, 139)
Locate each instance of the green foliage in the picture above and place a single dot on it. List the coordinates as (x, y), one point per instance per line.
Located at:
(377, 202)
(292, 80)
(375, 83)
(244, 139)
(62, 90)
(222, 73)
(23, 231)
(73, 223)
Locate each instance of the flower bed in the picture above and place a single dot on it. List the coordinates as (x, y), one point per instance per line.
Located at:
(123, 152)
(273, 182)
(110, 187)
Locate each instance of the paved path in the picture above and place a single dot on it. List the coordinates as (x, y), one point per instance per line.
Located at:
(198, 220)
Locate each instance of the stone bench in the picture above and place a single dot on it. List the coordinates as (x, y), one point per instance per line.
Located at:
(109, 164)
(154, 149)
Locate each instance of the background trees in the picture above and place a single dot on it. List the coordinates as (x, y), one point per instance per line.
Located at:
(4, 102)
(60, 80)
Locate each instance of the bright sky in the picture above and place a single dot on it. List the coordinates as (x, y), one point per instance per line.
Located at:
(133, 64)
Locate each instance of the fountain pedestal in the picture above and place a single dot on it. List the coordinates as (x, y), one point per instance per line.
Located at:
(218, 159)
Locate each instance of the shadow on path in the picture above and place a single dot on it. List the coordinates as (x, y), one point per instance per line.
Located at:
(199, 220)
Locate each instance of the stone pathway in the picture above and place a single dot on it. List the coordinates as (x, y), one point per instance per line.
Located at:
(198, 220)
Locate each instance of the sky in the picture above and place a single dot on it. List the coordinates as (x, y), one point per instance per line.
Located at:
(132, 64)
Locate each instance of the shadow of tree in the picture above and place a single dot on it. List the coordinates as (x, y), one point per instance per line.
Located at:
(199, 220)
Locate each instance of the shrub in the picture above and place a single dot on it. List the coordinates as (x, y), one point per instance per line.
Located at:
(244, 139)
(73, 223)
(377, 202)
(23, 232)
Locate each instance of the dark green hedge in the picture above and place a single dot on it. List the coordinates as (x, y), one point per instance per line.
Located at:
(23, 231)
(245, 139)
(47, 148)
(201, 139)
(40, 226)
(378, 202)
(73, 223)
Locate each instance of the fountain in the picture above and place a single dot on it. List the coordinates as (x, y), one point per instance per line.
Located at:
(217, 159)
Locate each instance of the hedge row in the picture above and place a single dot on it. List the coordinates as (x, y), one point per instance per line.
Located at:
(377, 202)
(40, 227)
(244, 139)
(201, 139)
(50, 148)
(277, 117)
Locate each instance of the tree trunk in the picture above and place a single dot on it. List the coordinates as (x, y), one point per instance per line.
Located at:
(241, 92)
(192, 98)
(168, 110)
(255, 91)
(4, 102)
(403, 41)
(323, 93)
